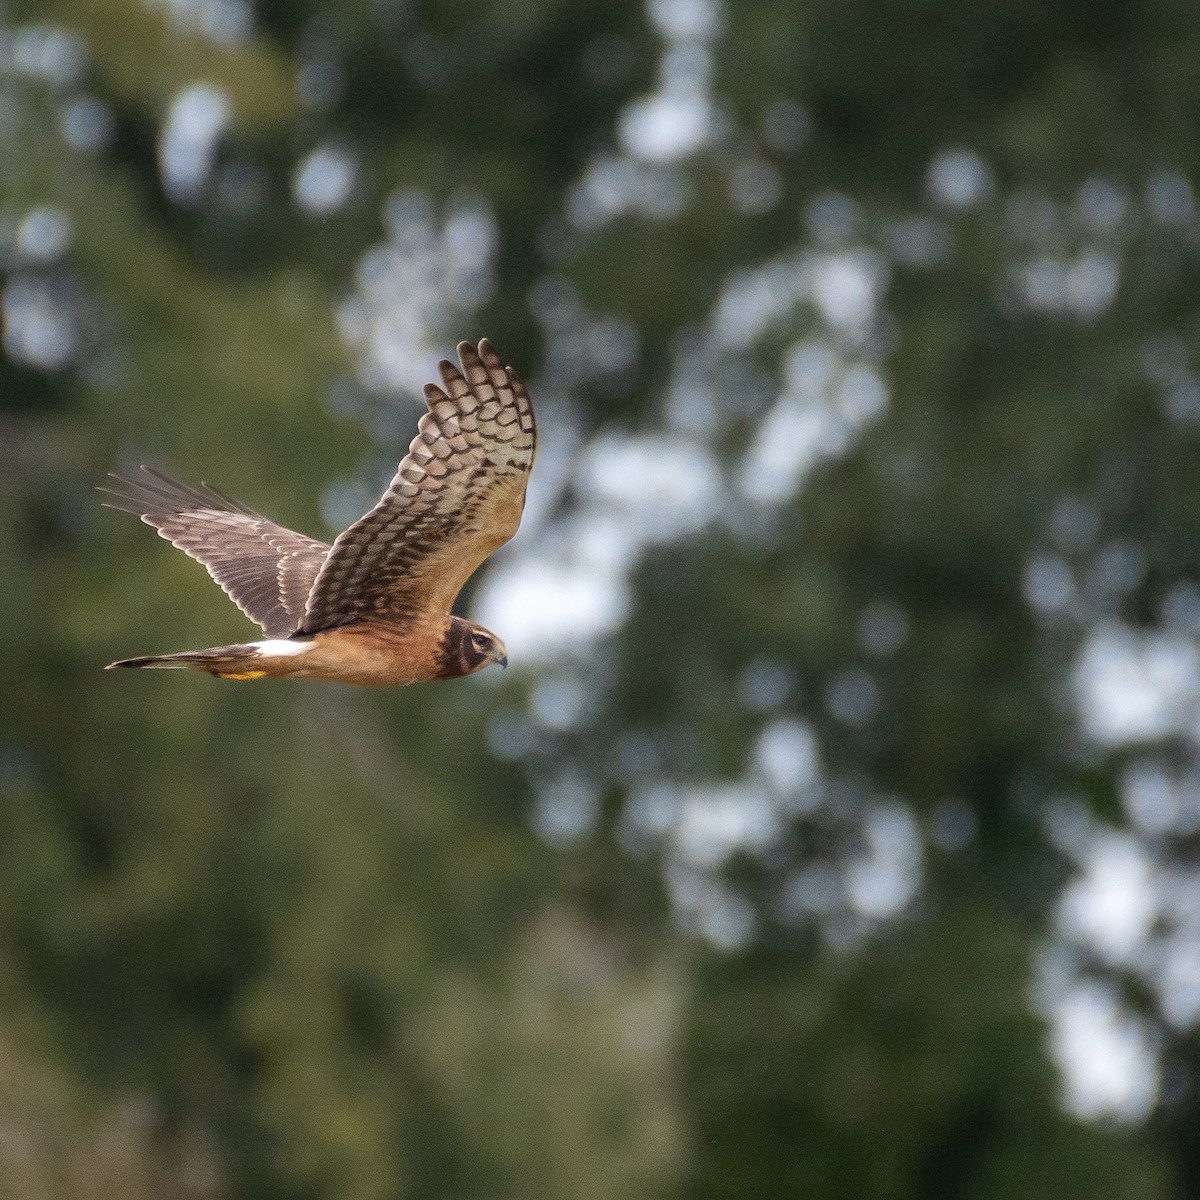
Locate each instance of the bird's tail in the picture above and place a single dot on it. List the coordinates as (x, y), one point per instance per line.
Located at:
(229, 662)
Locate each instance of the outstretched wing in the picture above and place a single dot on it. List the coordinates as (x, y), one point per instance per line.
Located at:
(457, 496)
(266, 570)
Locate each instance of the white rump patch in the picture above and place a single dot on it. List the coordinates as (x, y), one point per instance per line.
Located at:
(280, 648)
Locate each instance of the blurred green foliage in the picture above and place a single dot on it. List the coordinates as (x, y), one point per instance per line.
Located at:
(313, 937)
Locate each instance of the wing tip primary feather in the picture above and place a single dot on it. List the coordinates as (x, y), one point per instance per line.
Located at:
(475, 369)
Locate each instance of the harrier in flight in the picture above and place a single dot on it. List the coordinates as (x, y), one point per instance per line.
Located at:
(373, 608)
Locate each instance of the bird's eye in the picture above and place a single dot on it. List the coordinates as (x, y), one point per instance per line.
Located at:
(481, 642)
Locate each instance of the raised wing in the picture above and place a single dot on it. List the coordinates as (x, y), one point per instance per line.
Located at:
(266, 570)
(457, 496)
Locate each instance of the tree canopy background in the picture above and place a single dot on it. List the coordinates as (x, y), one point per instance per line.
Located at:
(835, 831)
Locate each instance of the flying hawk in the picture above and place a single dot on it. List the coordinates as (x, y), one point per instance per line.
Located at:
(373, 608)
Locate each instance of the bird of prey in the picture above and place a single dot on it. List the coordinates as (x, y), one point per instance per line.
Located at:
(373, 608)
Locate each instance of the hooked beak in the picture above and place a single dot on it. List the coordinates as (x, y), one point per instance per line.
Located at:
(500, 654)
(502, 659)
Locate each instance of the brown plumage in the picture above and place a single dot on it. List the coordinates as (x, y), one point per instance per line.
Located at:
(373, 608)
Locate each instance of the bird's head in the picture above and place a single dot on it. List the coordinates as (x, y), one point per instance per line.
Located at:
(469, 648)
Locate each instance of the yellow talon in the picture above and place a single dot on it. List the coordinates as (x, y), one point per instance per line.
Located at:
(241, 674)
